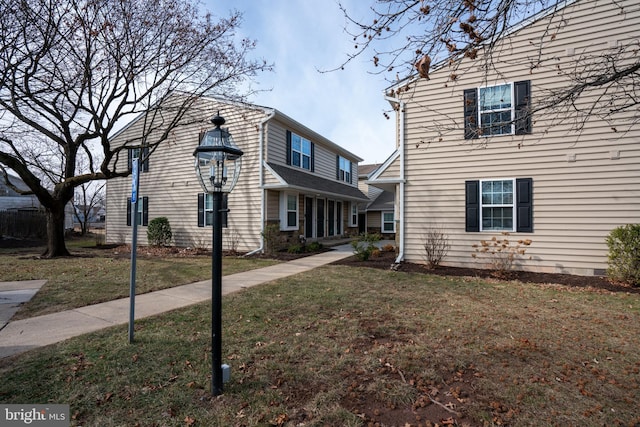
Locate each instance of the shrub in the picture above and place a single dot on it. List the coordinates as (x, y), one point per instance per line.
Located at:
(436, 245)
(314, 246)
(233, 240)
(295, 248)
(364, 245)
(624, 254)
(501, 253)
(159, 231)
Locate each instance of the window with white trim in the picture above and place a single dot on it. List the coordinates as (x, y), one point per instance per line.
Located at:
(353, 217)
(497, 205)
(300, 152)
(344, 173)
(142, 214)
(496, 110)
(208, 209)
(289, 212)
(388, 222)
(503, 109)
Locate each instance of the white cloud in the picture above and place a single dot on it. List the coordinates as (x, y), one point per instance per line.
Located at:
(300, 38)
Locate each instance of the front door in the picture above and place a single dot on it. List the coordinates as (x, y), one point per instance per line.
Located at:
(308, 217)
(319, 218)
(331, 214)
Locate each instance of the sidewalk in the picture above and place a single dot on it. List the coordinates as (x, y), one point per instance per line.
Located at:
(23, 335)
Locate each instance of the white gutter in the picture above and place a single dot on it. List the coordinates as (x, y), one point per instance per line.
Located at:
(401, 150)
(263, 208)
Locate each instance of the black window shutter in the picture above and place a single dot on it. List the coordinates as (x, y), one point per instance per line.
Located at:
(225, 210)
(129, 159)
(288, 147)
(353, 167)
(128, 211)
(470, 113)
(145, 211)
(200, 209)
(145, 156)
(338, 167)
(522, 95)
(313, 156)
(472, 206)
(524, 205)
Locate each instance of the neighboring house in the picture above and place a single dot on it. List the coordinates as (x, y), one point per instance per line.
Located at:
(94, 213)
(378, 216)
(291, 176)
(12, 201)
(472, 161)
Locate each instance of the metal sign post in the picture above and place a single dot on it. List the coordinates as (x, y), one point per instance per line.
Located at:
(135, 181)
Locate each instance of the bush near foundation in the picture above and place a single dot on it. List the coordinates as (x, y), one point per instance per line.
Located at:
(159, 232)
(624, 254)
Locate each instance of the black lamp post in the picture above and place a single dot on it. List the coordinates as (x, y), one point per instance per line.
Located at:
(218, 162)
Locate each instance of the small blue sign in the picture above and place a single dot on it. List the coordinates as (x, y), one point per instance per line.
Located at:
(134, 180)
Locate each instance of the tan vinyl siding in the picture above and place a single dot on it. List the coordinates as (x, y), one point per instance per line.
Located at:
(324, 158)
(276, 149)
(172, 187)
(392, 171)
(581, 190)
(273, 205)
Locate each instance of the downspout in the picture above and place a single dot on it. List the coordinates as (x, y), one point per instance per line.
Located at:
(401, 145)
(263, 208)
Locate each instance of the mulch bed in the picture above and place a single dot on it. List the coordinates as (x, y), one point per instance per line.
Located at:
(385, 261)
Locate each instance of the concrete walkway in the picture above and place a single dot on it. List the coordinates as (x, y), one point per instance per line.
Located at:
(23, 335)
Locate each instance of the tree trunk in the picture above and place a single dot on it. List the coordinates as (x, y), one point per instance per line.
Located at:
(56, 246)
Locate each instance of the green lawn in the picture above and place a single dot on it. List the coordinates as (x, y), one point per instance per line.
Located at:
(345, 346)
(96, 275)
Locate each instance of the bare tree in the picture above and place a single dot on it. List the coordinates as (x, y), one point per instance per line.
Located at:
(89, 197)
(72, 72)
(410, 37)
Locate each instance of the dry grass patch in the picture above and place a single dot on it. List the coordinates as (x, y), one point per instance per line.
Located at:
(346, 346)
(95, 275)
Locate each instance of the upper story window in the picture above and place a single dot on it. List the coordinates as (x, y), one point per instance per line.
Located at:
(344, 169)
(498, 110)
(138, 153)
(299, 151)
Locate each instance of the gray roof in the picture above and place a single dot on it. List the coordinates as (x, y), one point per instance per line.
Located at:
(307, 182)
(365, 170)
(384, 202)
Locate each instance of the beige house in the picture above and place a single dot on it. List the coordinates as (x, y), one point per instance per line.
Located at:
(291, 176)
(377, 216)
(476, 157)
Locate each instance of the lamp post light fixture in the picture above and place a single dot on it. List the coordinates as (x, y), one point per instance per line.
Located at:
(218, 162)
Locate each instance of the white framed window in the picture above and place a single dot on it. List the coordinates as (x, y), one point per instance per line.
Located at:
(344, 172)
(497, 205)
(142, 214)
(300, 152)
(496, 109)
(208, 209)
(388, 222)
(289, 211)
(353, 216)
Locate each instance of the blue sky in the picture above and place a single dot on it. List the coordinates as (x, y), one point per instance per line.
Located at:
(299, 37)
